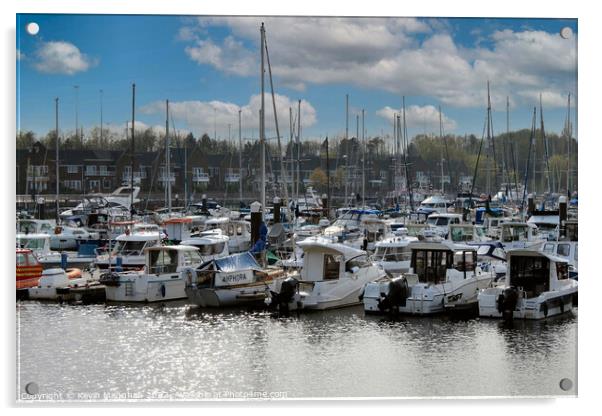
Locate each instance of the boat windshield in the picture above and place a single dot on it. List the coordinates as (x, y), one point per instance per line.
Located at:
(531, 274)
(515, 233)
(31, 243)
(437, 221)
(163, 261)
(462, 234)
(431, 265)
(128, 247)
(211, 249)
(392, 254)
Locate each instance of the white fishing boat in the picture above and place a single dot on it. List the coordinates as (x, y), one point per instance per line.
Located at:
(128, 250)
(233, 280)
(443, 275)
(238, 232)
(440, 222)
(333, 276)
(537, 286)
(163, 277)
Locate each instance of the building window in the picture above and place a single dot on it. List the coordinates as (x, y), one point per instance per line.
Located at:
(103, 170)
(91, 170)
(94, 185)
(72, 168)
(74, 185)
(106, 184)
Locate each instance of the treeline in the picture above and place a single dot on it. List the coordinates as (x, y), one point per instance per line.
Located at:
(505, 157)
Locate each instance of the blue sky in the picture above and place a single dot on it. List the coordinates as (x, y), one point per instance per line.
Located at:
(209, 68)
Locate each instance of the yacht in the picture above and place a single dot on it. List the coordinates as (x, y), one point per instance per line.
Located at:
(440, 222)
(333, 276)
(516, 234)
(40, 245)
(162, 278)
(232, 281)
(443, 275)
(69, 238)
(128, 250)
(435, 203)
(537, 286)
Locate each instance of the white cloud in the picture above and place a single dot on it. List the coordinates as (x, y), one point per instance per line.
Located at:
(548, 98)
(20, 55)
(387, 54)
(58, 57)
(423, 117)
(201, 116)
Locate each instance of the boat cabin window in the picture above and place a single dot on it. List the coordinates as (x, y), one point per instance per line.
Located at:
(440, 221)
(31, 243)
(563, 250)
(163, 261)
(21, 259)
(392, 254)
(562, 271)
(431, 265)
(576, 252)
(465, 261)
(531, 273)
(516, 233)
(128, 247)
(358, 261)
(331, 266)
(462, 234)
(211, 249)
(548, 248)
(190, 258)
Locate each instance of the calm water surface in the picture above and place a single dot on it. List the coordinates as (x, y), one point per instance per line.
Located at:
(174, 351)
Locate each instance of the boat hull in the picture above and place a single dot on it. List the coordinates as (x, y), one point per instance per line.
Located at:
(130, 288)
(222, 297)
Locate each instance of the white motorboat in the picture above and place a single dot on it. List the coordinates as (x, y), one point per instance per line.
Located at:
(211, 246)
(238, 231)
(128, 250)
(516, 235)
(40, 245)
(53, 280)
(163, 277)
(442, 275)
(434, 203)
(393, 254)
(537, 286)
(333, 276)
(233, 280)
(69, 238)
(547, 223)
(466, 233)
(440, 222)
(31, 226)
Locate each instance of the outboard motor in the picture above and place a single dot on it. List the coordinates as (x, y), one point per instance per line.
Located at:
(506, 303)
(281, 300)
(398, 293)
(109, 279)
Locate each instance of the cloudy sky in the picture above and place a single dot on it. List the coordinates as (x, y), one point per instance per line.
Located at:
(208, 67)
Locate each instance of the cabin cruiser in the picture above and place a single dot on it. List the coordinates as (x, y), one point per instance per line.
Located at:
(211, 246)
(163, 277)
(348, 226)
(40, 245)
(116, 203)
(516, 234)
(333, 276)
(393, 254)
(69, 238)
(238, 232)
(566, 247)
(231, 281)
(128, 252)
(547, 223)
(537, 286)
(441, 222)
(442, 275)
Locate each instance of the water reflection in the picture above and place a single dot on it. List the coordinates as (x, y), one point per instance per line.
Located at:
(182, 351)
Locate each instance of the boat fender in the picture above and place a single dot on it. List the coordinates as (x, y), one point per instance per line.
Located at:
(163, 290)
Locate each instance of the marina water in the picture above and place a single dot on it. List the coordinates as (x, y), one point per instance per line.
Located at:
(178, 352)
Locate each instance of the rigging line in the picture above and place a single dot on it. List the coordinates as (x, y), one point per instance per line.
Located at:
(474, 176)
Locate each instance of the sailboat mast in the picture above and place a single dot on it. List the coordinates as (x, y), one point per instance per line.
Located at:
(132, 152)
(347, 147)
(167, 157)
(239, 156)
(568, 143)
(298, 184)
(522, 205)
(545, 145)
(56, 135)
(262, 120)
(363, 161)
